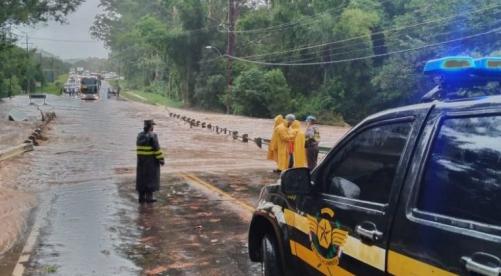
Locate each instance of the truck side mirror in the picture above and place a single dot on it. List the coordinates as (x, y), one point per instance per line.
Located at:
(296, 181)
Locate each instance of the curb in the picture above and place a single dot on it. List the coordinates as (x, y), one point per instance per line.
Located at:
(41, 213)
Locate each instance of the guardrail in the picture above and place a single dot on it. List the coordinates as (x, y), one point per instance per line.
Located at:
(29, 143)
(225, 131)
(267, 142)
(38, 96)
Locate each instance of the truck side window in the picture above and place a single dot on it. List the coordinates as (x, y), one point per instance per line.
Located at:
(462, 177)
(364, 168)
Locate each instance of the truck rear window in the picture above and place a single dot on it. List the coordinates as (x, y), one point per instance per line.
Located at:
(462, 178)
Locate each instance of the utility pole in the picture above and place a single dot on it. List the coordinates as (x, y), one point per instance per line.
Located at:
(232, 16)
(28, 69)
(43, 74)
(53, 74)
(118, 81)
(11, 73)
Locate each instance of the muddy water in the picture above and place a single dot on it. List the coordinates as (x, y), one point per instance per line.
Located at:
(74, 170)
(89, 227)
(92, 224)
(15, 203)
(258, 127)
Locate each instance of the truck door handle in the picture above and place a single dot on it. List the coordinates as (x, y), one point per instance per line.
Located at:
(483, 264)
(367, 230)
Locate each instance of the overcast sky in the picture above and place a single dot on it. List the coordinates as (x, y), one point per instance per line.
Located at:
(77, 28)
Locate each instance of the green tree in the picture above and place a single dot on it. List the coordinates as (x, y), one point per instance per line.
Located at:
(30, 12)
(19, 69)
(261, 94)
(361, 50)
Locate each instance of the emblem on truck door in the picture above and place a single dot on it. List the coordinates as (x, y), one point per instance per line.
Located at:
(326, 240)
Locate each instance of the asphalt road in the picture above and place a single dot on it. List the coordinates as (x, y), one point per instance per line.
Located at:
(87, 220)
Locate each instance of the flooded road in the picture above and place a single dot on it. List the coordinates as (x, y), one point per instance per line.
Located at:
(87, 220)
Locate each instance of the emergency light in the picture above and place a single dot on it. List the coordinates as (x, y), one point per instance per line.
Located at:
(488, 65)
(464, 65)
(454, 74)
(447, 65)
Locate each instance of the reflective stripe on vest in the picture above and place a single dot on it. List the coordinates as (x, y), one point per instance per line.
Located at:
(142, 151)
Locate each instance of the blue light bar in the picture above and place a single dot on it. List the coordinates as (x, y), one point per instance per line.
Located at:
(447, 65)
(488, 65)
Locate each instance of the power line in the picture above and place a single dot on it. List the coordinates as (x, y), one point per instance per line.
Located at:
(293, 24)
(283, 25)
(363, 43)
(369, 56)
(327, 51)
(375, 33)
(58, 40)
(63, 40)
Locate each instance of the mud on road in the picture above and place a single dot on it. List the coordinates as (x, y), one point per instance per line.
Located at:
(184, 233)
(93, 225)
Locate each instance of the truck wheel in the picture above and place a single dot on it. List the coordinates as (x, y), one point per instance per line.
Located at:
(271, 261)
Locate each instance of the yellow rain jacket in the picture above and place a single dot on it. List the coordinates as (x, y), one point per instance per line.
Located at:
(298, 138)
(273, 147)
(283, 139)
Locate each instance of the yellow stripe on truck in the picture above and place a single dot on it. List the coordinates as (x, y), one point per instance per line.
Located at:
(372, 255)
(311, 258)
(297, 221)
(399, 264)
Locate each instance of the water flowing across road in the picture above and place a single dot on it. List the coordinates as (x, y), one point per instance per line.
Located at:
(74, 171)
(88, 219)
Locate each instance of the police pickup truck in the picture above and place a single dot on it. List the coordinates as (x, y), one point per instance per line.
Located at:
(409, 191)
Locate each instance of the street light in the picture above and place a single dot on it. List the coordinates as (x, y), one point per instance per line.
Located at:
(229, 75)
(215, 49)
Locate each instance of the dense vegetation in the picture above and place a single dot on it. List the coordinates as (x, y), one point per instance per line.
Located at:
(20, 69)
(327, 57)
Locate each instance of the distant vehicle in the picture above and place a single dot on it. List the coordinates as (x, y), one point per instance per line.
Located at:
(72, 86)
(110, 75)
(80, 70)
(97, 75)
(414, 190)
(89, 88)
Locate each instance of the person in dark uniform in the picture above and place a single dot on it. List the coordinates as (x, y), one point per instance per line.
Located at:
(312, 140)
(149, 160)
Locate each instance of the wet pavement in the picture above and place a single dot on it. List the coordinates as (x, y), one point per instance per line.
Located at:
(184, 233)
(77, 188)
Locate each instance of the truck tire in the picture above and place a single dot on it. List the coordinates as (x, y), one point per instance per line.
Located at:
(271, 260)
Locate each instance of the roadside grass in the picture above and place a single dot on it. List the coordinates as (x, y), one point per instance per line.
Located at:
(51, 89)
(56, 86)
(150, 98)
(50, 269)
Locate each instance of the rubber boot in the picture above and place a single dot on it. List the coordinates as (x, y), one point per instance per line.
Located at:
(149, 197)
(142, 197)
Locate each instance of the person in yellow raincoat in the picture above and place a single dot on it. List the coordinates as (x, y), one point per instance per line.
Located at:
(282, 143)
(297, 145)
(273, 146)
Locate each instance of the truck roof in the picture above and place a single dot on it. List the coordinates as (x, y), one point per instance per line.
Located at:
(462, 103)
